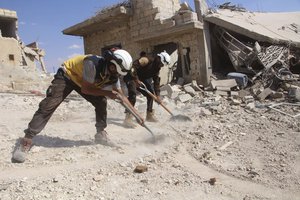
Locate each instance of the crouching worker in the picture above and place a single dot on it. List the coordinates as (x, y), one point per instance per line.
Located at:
(94, 78)
(145, 70)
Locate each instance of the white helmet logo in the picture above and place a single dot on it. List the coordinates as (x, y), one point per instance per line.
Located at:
(165, 58)
(122, 60)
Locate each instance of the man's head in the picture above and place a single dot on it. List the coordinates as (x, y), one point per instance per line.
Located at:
(164, 58)
(121, 59)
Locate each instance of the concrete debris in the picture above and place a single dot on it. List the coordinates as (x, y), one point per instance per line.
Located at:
(294, 113)
(184, 97)
(260, 70)
(223, 83)
(264, 94)
(228, 5)
(190, 90)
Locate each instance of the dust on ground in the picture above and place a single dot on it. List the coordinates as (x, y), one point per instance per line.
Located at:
(226, 152)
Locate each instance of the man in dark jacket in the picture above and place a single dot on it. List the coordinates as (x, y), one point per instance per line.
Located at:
(145, 70)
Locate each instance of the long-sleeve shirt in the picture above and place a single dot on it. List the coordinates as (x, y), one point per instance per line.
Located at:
(151, 70)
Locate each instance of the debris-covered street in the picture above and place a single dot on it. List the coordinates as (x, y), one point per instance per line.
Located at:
(228, 151)
(229, 115)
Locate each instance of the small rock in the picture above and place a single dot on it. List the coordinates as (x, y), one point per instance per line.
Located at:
(140, 169)
(212, 181)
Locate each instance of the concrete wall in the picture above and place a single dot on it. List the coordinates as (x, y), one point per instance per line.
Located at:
(150, 17)
(10, 53)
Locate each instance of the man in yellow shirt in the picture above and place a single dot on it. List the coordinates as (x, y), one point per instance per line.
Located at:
(94, 78)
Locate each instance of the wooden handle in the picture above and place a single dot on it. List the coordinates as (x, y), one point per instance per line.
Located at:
(159, 102)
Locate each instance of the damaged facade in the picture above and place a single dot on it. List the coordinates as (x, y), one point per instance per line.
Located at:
(13, 52)
(19, 62)
(229, 39)
(151, 26)
(250, 43)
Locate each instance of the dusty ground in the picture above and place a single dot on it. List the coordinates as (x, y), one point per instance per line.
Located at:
(252, 154)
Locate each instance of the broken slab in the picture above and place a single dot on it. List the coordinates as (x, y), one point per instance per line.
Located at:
(223, 88)
(223, 83)
(266, 30)
(184, 97)
(264, 94)
(221, 93)
(189, 89)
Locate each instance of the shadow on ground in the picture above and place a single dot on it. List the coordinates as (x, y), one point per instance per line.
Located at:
(56, 142)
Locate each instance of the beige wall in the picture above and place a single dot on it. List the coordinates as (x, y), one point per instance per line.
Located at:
(10, 46)
(149, 17)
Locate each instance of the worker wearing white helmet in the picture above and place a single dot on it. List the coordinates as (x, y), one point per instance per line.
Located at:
(94, 78)
(145, 70)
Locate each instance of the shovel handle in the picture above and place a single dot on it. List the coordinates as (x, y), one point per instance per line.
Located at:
(143, 87)
(134, 113)
(130, 108)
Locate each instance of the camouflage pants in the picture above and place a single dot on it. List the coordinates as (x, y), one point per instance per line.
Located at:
(59, 89)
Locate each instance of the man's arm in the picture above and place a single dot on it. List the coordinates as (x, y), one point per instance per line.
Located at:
(90, 89)
(87, 85)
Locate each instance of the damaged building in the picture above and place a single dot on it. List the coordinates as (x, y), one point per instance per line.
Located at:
(251, 43)
(14, 54)
(13, 51)
(201, 42)
(151, 26)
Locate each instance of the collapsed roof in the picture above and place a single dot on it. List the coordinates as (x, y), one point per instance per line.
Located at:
(275, 28)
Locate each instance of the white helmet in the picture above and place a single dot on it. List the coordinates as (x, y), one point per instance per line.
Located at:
(165, 58)
(123, 61)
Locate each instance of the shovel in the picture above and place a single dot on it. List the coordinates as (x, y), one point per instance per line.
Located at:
(134, 113)
(174, 117)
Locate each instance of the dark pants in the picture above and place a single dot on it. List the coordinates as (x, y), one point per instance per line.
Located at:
(132, 91)
(59, 89)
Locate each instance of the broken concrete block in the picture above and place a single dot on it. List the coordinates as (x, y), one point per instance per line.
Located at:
(277, 95)
(234, 93)
(250, 106)
(264, 94)
(174, 95)
(294, 94)
(164, 93)
(190, 90)
(166, 89)
(223, 88)
(248, 99)
(184, 97)
(221, 93)
(205, 111)
(235, 102)
(243, 93)
(223, 83)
